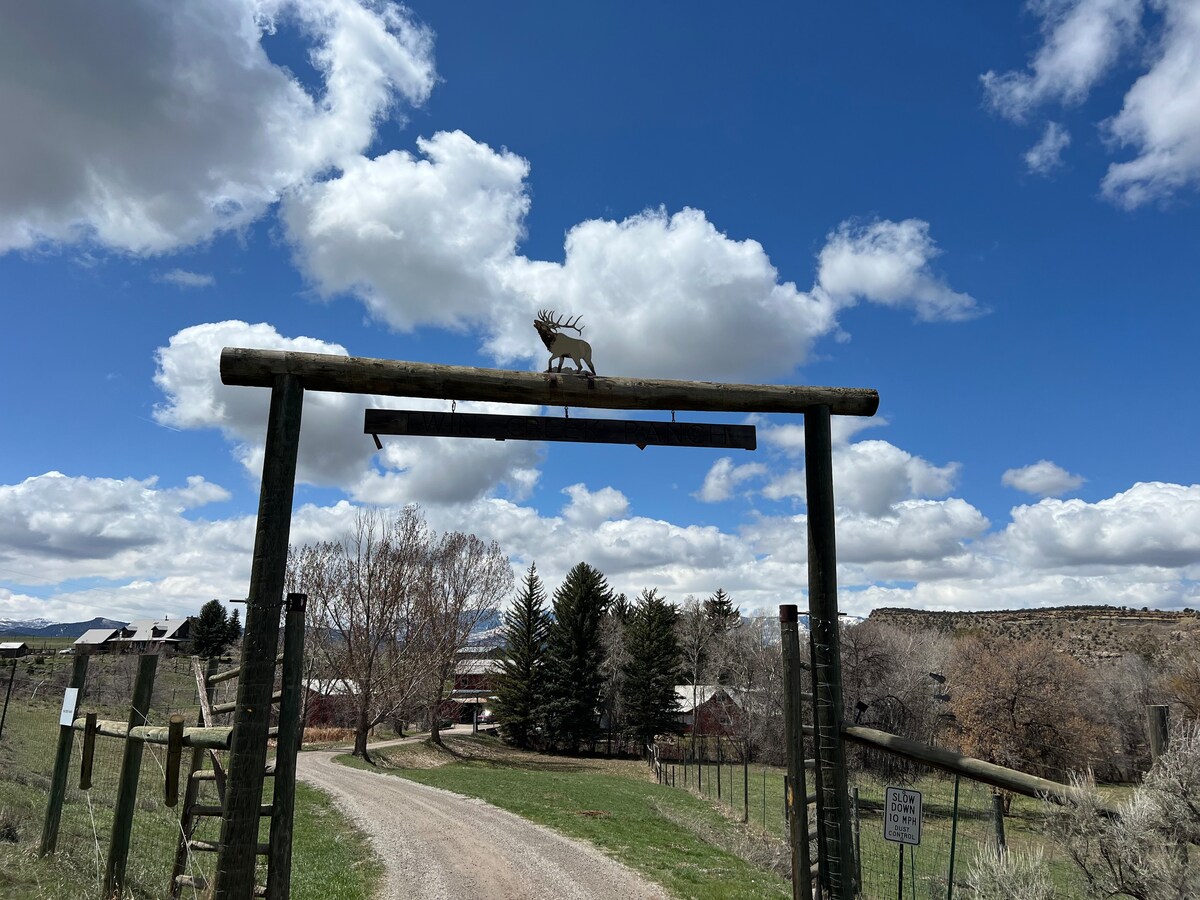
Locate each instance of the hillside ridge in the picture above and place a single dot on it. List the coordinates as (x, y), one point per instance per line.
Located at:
(1090, 633)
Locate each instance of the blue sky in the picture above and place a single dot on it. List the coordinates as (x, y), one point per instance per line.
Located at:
(987, 212)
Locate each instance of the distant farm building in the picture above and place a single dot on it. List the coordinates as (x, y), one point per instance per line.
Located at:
(147, 635)
(330, 702)
(712, 709)
(96, 640)
(13, 649)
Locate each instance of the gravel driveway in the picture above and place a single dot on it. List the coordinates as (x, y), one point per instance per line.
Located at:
(436, 845)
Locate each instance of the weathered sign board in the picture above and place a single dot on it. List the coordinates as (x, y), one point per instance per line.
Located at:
(902, 815)
(640, 432)
(70, 700)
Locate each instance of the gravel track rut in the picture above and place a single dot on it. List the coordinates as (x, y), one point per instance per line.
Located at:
(436, 845)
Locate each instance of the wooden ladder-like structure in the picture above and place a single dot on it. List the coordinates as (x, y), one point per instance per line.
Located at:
(278, 849)
(813, 875)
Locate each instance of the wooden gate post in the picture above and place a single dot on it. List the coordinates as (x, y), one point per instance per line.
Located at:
(837, 871)
(131, 768)
(62, 762)
(795, 794)
(1158, 730)
(248, 745)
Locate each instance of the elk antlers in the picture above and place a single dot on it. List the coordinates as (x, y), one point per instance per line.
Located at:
(547, 317)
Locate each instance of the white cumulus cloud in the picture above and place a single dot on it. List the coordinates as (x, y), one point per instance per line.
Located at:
(1046, 155)
(1083, 42)
(1081, 39)
(155, 125)
(724, 478)
(334, 451)
(1160, 118)
(888, 263)
(872, 477)
(1043, 478)
(420, 240)
(434, 240)
(1151, 524)
(588, 509)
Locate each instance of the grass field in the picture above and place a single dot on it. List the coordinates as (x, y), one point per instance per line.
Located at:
(971, 827)
(675, 839)
(331, 859)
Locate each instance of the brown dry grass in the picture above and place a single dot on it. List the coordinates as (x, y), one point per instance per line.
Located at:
(327, 735)
(460, 748)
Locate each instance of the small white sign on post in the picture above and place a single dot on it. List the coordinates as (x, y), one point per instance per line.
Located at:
(902, 815)
(70, 698)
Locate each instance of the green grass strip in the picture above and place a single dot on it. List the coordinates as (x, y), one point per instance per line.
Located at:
(651, 828)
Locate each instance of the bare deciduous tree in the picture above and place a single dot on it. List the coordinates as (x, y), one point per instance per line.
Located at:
(364, 623)
(462, 580)
(1021, 704)
(695, 630)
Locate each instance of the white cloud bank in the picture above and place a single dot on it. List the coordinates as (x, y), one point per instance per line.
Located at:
(1083, 41)
(151, 554)
(162, 127)
(164, 124)
(334, 451)
(433, 240)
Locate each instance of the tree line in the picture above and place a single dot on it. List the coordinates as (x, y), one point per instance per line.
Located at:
(393, 603)
(592, 664)
(1017, 702)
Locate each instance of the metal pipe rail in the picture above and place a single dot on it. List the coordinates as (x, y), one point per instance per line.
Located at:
(966, 766)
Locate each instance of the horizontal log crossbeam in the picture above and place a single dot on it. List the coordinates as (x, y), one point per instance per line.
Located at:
(640, 433)
(396, 378)
(205, 738)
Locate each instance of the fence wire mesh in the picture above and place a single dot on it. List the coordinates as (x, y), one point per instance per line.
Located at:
(27, 751)
(962, 821)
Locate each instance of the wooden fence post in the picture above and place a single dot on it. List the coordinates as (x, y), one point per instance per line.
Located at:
(795, 801)
(89, 752)
(248, 749)
(1158, 728)
(174, 758)
(998, 820)
(131, 767)
(12, 673)
(62, 762)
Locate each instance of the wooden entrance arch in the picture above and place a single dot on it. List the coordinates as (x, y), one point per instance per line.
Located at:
(289, 374)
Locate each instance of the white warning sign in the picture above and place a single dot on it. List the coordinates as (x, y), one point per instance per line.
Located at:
(902, 815)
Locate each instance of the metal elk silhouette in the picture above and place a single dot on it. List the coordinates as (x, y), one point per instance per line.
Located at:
(561, 346)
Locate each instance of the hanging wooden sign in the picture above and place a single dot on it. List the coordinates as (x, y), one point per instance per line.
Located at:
(639, 432)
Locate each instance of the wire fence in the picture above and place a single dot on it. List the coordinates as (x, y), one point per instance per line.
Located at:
(28, 740)
(961, 820)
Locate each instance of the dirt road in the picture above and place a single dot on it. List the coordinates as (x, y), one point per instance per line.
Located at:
(439, 846)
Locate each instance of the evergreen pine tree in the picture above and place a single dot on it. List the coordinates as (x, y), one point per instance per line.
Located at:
(210, 629)
(233, 629)
(723, 617)
(652, 669)
(519, 684)
(721, 612)
(621, 609)
(574, 657)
